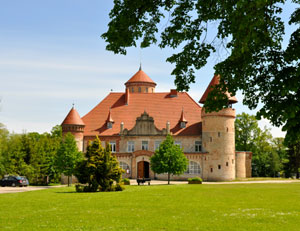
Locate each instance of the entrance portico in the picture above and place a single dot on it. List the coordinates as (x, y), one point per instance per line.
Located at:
(141, 164)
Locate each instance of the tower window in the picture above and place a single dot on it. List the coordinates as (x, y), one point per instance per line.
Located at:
(219, 166)
(146, 89)
(140, 89)
(227, 164)
(210, 139)
(232, 161)
(132, 89)
(227, 129)
(219, 134)
(211, 169)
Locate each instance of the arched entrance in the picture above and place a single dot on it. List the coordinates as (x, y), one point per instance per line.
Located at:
(143, 169)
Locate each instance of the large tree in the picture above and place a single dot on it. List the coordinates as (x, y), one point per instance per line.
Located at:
(169, 158)
(250, 31)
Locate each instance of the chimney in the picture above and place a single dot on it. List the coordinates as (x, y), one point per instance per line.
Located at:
(168, 127)
(127, 96)
(121, 127)
(173, 93)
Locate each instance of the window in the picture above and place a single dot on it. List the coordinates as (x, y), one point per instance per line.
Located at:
(140, 89)
(112, 146)
(182, 124)
(156, 144)
(130, 146)
(193, 168)
(211, 170)
(197, 146)
(132, 89)
(109, 125)
(227, 164)
(219, 134)
(125, 166)
(210, 139)
(144, 145)
(146, 89)
(232, 161)
(227, 129)
(219, 166)
(178, 143)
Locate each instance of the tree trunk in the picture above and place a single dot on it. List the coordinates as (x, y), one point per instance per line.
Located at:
(168, 178)
(68, 181)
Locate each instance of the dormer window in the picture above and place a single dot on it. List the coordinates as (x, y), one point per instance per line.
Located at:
(109, 125)
(182, 124)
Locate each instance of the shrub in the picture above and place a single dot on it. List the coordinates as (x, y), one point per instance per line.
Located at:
(195, 180)
(118, 187)
(126, 181)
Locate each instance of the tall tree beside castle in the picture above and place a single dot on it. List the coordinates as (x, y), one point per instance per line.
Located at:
(169, 158)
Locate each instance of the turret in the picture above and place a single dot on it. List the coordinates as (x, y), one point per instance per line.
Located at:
(218, 138)
(74, 124)
(140, 83)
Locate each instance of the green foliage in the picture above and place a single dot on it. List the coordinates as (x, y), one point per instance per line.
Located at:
(68, 156)
(31, 155)
(169, 158)
(292, 165)
(269, 154)
(126, 181)
(99, 170)
(251, 34)
(195, 180)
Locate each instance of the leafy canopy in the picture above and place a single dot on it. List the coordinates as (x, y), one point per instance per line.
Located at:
(169, 158)
(250, 31)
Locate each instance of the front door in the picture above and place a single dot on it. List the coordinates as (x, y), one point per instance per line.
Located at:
(143, 169)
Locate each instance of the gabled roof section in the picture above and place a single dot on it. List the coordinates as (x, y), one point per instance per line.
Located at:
(73, 118)
(216, 81)
(140, 77)
(160, 106)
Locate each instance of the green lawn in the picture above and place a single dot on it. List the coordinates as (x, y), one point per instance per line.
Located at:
(174, 207)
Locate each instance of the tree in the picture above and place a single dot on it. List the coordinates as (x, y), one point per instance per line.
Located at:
(68, 156)
(266, 159)
(293, 163)
(99, 168)
(251, 32)
(169, 158)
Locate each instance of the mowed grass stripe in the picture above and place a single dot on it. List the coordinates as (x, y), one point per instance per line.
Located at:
(162, 207)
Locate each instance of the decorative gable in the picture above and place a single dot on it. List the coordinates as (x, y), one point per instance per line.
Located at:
(144, 126)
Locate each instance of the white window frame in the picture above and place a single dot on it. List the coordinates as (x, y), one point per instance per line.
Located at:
(145, 145)
(198, 146)
(124, 165)
(193, 168)
(130, 146)
(113, 146)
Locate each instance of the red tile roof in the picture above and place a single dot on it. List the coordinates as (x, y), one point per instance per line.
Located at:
(73, 118)
(140, 77)
(160, 106)
(215, 81)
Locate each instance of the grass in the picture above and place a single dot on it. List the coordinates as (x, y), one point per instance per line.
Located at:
(161, 207)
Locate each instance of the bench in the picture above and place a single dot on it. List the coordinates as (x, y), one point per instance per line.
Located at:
(143, 180)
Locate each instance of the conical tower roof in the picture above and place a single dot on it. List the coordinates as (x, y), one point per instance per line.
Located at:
(215, 81)
(73, 118)
(140, 77)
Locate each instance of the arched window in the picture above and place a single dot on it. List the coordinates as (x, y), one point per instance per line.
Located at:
(193, 168)
(124, 166)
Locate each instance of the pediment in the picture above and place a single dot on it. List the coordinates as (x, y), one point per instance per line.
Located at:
(144, 126)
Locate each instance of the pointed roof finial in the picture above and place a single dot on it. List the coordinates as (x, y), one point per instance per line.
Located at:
(73, 105)
(140, 66)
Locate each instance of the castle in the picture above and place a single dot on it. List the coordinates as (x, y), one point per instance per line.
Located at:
(136, 121)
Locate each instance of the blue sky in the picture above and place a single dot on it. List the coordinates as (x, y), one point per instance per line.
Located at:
(51, 55)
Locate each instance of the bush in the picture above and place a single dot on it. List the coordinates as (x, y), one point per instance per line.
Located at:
(80, 187)
(195, 180)
(118, 187)
(126, 181)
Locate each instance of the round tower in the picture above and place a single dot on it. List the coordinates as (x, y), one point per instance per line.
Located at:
(140, 83)
(74, 124)
(218, 138)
